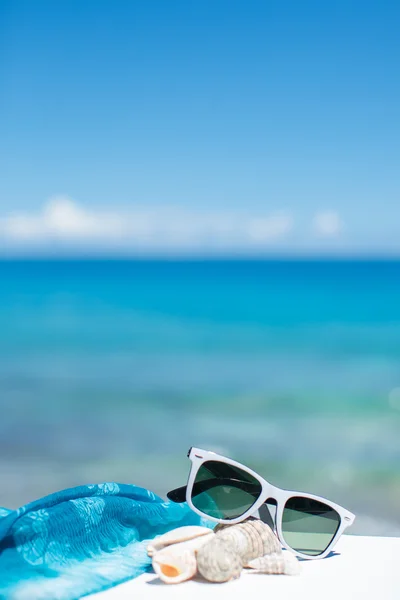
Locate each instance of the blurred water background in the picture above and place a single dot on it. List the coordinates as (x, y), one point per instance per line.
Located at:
(111, 369)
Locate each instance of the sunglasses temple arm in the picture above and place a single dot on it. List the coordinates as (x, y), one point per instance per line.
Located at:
(179, 494)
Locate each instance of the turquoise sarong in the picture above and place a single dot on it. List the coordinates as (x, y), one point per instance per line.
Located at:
(82, 540)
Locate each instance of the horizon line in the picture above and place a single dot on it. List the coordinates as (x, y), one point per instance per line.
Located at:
(200, 257)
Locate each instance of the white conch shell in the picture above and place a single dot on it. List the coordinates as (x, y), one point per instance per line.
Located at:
(177, 562)
(233, 547)
(277, 563)
(181, 534)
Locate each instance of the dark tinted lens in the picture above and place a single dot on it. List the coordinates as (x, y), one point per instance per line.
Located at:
(223, 491)
(309, 526)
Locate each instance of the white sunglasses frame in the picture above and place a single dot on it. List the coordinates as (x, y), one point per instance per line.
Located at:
(198, 456)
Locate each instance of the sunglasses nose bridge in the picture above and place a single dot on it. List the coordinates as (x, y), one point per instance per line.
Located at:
(267, 512)
(269, 491)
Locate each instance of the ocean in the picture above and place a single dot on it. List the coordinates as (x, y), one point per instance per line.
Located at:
(111, 369)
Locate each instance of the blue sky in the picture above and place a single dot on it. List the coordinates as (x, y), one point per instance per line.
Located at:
(251, 126)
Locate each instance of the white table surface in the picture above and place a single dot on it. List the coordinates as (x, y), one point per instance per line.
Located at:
(362, 568)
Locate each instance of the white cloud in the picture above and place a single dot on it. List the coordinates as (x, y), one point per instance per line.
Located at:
(65, 221)
(275, 226)
(327, 223)
(60, 218)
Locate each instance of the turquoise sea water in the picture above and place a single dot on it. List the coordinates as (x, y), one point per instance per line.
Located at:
(110, 370)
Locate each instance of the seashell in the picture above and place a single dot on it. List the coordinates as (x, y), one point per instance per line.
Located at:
(251, 538)
(277, 563)
(177, 562)
(181, 534)
(223, 557)
(220, 555)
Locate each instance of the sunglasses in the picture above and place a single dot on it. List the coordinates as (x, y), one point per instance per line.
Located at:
(226, 491)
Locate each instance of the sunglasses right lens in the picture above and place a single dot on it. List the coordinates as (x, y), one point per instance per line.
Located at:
(223, 491)
(309, 526)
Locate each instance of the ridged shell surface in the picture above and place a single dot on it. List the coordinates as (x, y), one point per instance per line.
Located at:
(250, 539)
(277, 563)
(223, 557)
(218, 561)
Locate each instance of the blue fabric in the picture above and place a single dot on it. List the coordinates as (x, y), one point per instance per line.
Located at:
(82, 540)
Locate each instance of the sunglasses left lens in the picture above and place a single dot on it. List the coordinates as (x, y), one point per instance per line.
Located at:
(223, 491)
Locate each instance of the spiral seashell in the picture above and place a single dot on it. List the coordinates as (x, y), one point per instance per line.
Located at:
(223, 557)
(277, 563)
(251, 539)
